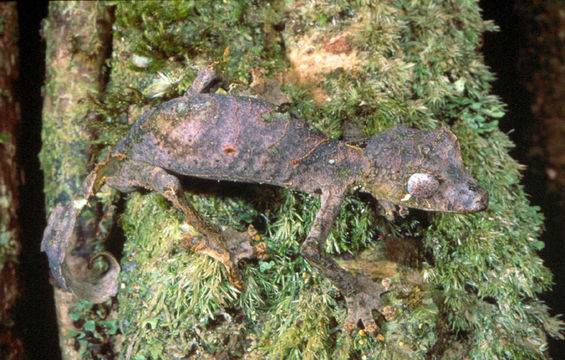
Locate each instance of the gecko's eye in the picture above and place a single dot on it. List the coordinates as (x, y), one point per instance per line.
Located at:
(422, 185)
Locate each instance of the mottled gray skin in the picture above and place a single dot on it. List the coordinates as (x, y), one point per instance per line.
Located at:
(242, 139)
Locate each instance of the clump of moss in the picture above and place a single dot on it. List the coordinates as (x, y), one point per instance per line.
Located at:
(95, 330)
(159, 46)
(415, 64)
(188, 305)
(236, 33)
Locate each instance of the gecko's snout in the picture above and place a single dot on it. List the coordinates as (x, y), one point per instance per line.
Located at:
(478, 201)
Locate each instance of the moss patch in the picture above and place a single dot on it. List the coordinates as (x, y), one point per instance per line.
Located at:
(472, 287)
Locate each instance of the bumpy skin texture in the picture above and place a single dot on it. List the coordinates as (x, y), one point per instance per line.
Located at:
(233, 138)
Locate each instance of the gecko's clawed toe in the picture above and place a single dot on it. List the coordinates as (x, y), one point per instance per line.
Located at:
(360, 306)
(240, 244)
(230, 247)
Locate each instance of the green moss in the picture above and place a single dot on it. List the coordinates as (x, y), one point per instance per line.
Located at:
(93, 325)
(183, 296)
(237, 34)
(416, 63)
(159, 45)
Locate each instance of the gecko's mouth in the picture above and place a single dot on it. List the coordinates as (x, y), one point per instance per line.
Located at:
(467, 197)
(472, 197)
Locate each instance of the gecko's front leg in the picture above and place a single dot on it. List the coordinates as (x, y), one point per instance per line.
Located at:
(223, 244)
(362, 294)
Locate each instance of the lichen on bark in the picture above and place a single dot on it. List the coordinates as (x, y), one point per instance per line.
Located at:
(77, 36)
(77, 42)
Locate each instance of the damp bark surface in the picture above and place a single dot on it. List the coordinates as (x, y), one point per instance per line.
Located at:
(11, 347)
(77, 36)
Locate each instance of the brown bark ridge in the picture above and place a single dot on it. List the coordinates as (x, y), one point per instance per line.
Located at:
(11, 348)
(77, 36)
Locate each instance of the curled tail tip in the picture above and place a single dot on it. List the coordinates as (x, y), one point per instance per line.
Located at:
(95, 290)
(56, 242)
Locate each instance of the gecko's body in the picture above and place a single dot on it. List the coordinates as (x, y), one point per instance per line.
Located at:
(242, 139)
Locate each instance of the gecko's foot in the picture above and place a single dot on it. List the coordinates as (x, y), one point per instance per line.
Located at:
(361, 305)
(239, 244)
(230, 247)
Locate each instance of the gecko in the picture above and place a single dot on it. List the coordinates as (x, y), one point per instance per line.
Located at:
(224, 137)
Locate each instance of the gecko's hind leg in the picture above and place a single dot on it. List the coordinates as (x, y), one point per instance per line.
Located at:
(361, 293)
(223, 244)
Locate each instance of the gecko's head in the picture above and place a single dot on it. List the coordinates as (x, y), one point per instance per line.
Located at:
(421, 169)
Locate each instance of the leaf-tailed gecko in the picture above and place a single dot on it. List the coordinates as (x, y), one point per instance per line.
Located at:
(243, 139)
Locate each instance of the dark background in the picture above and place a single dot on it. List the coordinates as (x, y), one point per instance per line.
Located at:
(518, 54)
(35, 312)
(511, 54)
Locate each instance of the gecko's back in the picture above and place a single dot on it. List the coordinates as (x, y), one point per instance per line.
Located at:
(221, 137)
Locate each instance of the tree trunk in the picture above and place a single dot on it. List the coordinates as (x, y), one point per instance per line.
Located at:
(78, 36)
(10, 346)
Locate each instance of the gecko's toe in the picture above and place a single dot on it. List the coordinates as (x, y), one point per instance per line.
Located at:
(261, 251)
(213, 245)
(360, 306)
(349, 328)
(229, 247)
(241, 246)
(234, 278)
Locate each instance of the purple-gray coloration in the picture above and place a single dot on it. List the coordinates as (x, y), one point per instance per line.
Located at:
(243, 139)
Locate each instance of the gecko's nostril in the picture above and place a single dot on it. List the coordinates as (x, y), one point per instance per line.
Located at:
(473, 198)
(481, 199)
(483, 202)
(475, 188)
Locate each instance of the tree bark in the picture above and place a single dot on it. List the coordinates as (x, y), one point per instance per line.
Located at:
(78, 36)
(10, 346)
